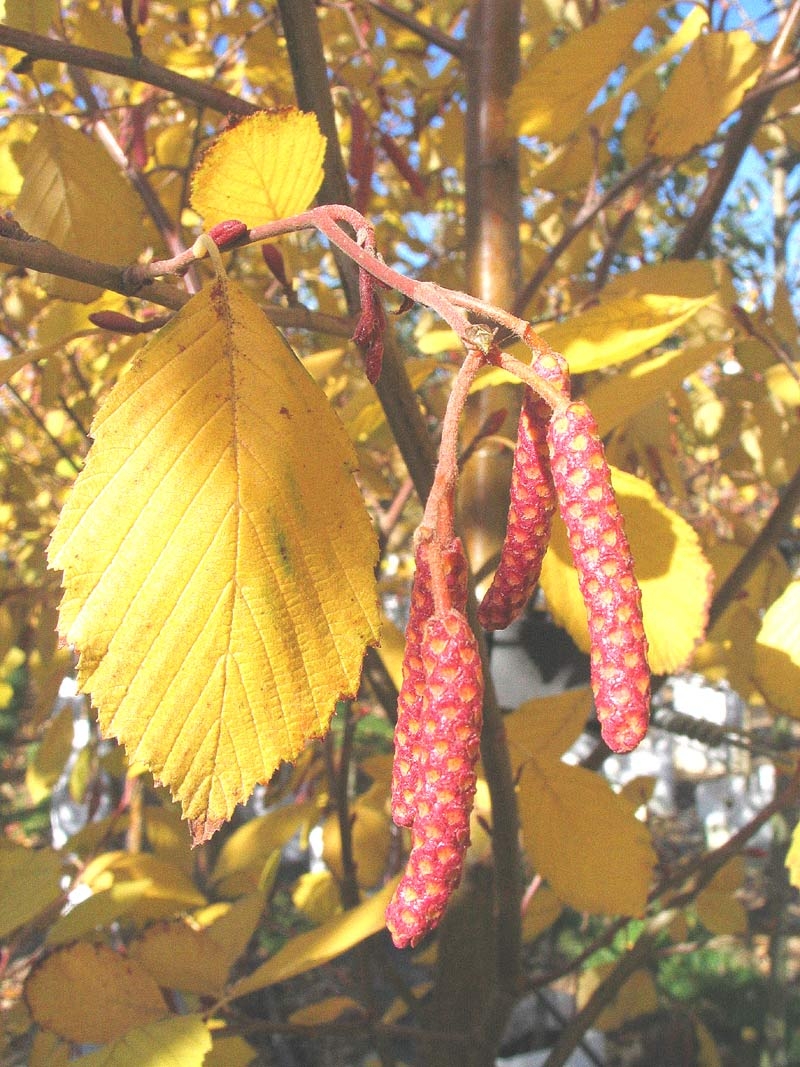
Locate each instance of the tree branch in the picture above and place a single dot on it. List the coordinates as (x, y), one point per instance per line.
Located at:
(771, 532)
(141, 70)
(737, 141)
(427, 33)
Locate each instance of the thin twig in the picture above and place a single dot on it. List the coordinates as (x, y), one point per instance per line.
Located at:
(141, 70)
(425, 32)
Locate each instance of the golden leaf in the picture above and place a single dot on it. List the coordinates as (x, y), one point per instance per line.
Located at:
(182, 1039)
(90, 994)
(371, 840)
(777, 660)
(319, 946)
(580, 836)
(584, 839)
(198, 961)
(637, 996)
(316, 895)
(547, 726)
(325, 1011)
(552, 97)
(267, 167)
(217, 556)
(34, 16)
(99, 910)
(29, 884)
(163, 888)
(707, 86)
(245, 852)
(618, 329)
(617, 398)
(45, 768)
(717, 907)
(672, 571)
(229, 1050)
(75, 197)
(540, 914)
(793, 858)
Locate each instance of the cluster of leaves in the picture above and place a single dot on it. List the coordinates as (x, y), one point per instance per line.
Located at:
(219, 563)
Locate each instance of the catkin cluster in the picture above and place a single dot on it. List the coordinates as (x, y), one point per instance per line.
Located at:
(437, 741)
(559, 461)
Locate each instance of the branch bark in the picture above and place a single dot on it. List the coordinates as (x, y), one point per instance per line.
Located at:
(736, 144)
(141, 70)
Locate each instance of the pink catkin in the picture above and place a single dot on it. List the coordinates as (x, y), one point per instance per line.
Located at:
(452, 710)
(531, 508)
(407, 751)
(602, 556)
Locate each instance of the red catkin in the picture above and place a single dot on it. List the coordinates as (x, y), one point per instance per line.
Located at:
(410, 699)
(602, 556)
(531, 507)
(452, 715)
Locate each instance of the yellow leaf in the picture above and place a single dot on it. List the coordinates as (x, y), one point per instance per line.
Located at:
(777, 660)
(182, 1039)
(229, 1050)
(325, 1011)
(45, 768)
(34, 16)
(616, 330)
(619, 397)
(74, 196)
(638, 791)
(391, 649)
(638, 996)
(793, 858)
(319, 946)
(317, 896)
(547, 726)
(29, 884)
(365, 414)
(371, 836)
(244, 853)
(267, 167)
(99, 910)
(169, 889)
(708, 1054)
(198, 961)
(673, 573)
(540, 914)
(47, 1050)
(553, 96)
(218, 559)
(717, 907)
(707, 86)
(782, 382)
(584, 839)
(91, 995)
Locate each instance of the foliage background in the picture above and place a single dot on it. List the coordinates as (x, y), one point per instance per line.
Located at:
(581, 164)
